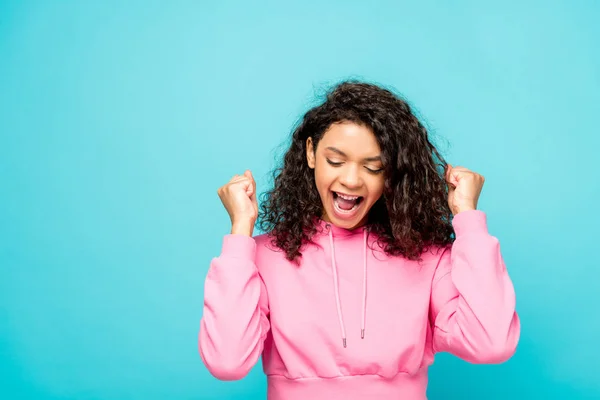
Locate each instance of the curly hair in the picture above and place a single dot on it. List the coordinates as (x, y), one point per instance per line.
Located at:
(412, 214)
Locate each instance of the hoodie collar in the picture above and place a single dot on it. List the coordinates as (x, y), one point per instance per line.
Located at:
(336, 231)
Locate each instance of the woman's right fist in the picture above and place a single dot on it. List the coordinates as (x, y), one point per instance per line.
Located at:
(239, 198)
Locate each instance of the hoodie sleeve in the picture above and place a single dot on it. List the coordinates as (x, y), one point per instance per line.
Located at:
(235, 320)
(473, 299)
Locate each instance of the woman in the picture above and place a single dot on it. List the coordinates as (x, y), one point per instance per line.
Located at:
(375, 258)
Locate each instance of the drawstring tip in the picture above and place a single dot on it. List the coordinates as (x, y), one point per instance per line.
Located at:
(344, 340)
(362, 333)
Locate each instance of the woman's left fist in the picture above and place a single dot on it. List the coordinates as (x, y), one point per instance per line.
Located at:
(464, 188)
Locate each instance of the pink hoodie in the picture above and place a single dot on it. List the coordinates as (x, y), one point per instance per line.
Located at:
(351, 322)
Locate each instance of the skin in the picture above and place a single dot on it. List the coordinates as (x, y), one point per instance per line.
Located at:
(464, 188)
(353, 174)
(358, 170)
(239, 199)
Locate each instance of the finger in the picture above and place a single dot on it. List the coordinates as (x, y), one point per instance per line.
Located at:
(253, 195)
(461, 170)
(245, 182)
(248, 174)
(252, 191)
(448, 177)
(238, 178)
(457, 173)
(250, 188)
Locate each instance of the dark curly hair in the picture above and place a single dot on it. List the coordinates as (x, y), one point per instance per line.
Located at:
(412, 214)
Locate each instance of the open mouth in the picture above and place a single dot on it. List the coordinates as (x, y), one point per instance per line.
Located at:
(346, 204)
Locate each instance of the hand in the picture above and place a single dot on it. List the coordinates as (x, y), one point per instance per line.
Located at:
(464, 188)
(239, 198)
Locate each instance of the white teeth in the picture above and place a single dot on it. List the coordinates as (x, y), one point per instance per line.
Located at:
(343, 196)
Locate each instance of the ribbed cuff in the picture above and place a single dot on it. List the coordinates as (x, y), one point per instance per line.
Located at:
(238, 246)
(470, 221)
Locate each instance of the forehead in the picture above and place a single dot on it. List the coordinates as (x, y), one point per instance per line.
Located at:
(352, 139)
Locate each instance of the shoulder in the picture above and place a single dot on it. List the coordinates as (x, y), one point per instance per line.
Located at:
(436, 258)
(266, 241)
(266, 250)
(263, 240)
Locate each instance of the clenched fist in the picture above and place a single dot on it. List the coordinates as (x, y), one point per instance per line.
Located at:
(464, 188)
(239, 198)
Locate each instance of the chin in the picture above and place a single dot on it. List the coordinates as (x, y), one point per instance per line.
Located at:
(347, 223)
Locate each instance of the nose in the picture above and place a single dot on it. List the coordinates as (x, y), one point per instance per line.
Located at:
(350, 177)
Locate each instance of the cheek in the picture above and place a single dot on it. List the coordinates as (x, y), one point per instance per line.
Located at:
(376, 188)
(324, 177)
(320, 183)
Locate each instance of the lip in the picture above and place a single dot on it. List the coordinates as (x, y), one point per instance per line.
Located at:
(347, 194)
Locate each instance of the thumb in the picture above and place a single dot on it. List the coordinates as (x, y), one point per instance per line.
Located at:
(251, 191)
(449, 178)
(253, 197)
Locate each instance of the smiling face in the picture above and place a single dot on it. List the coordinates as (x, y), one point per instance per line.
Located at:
(348, 173)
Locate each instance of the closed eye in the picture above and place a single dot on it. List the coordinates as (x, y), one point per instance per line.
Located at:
(372, 171)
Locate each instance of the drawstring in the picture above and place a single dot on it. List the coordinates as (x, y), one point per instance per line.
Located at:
(364, 304)
(337, 290)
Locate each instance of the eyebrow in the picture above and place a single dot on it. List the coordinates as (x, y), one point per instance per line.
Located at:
(341, 153)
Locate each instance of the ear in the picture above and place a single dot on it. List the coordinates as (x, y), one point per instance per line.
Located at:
(310, 153)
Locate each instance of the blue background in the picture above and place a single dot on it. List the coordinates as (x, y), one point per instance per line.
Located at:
(119, 121)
